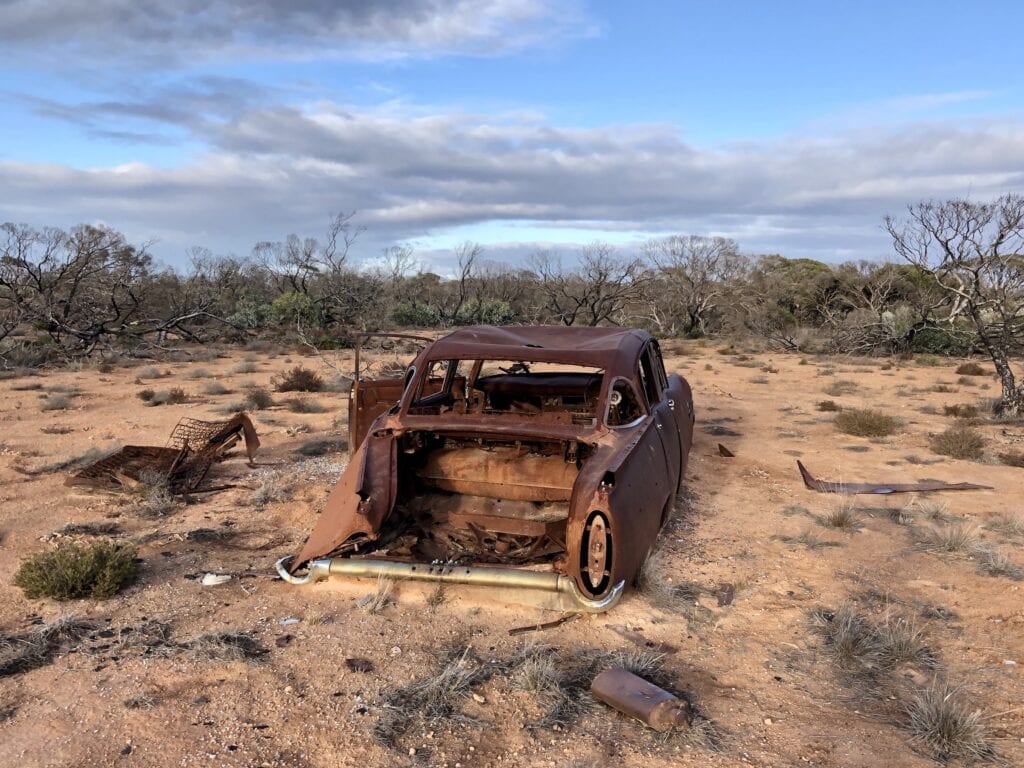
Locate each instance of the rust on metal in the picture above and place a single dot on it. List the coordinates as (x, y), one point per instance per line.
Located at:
(638, 638)
(193, 447)
(551, 448)
(545, 625)
(633, 696)
(823, 486)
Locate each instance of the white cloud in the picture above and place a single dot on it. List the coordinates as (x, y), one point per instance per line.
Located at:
(274, 170)
(162, 33)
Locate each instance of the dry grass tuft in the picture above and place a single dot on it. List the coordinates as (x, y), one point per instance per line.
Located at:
(79, 460)
(271, 489)
(149, 372)
(87, 529)
(299, 379)
(74, 571)
(174, 396)
(860, 645)
(971, 369)
(55, 402)
(377, 601)
(959, 442)
(809, 539)
(156, 500)
(1012, 458)
(950, 540)
(257, 398)
(901, 641)
(654, 582)
(866, 423)
(961, 411)
(244, 367)
(225, 646)
(21, 653)
(322, 446)
(214, 388)
(992, 562)
(433, 698)
(841, 387)
(844, 518)
(941, 721)
(304, 405)
(933, 510)
(829, 405)
(850, 637)
(436, 597)
(1006, 524)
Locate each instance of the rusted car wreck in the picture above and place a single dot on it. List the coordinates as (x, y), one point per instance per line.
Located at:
(541, 460)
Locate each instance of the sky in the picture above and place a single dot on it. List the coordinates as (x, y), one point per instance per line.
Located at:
(792, 127)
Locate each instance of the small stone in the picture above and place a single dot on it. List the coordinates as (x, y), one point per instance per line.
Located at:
(287, 689)
(288, 620)
(767, 721)
(478, 699)
(214, 579)
(396, 651)
(412, 751)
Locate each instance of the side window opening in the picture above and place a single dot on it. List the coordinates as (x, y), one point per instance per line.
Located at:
(649, 378)
(624, 406)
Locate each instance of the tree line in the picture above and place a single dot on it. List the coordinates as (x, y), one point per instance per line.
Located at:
(956, 285)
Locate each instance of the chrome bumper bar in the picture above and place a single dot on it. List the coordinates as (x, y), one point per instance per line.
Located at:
(560, 592)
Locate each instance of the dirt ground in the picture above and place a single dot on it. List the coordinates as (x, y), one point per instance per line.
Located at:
(756, 668)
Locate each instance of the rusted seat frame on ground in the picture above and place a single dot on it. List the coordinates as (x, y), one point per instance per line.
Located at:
(182, 464)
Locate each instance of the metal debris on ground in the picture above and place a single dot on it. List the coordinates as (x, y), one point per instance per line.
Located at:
(546, 625)
(637, 638)
(633, 696)
(193, 447)
(725, 452)
(359, 665)
(823, 486)
(215, 579)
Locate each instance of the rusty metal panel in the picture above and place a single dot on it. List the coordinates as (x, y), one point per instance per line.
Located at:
(823, 486)
(193, 447)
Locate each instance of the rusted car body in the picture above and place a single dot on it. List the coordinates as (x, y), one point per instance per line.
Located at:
(539, 459)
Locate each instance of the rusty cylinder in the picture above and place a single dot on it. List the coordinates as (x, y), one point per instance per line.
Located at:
(638, 698)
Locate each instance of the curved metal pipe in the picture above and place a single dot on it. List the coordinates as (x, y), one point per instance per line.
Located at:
(514, 578)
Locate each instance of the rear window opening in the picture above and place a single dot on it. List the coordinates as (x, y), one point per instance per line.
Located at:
(552, 391)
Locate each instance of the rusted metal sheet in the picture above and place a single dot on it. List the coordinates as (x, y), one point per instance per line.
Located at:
(529, 466)
(640, 699)
(823, 486)
(182, 464)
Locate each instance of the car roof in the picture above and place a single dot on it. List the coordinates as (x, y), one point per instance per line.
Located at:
(614, 349)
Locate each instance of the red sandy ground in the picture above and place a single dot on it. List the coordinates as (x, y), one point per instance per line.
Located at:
(754, 667)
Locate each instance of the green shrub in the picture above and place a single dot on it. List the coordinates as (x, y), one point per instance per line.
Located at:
(866, 423)
(959, 442)
(74, 571)
(299, 379)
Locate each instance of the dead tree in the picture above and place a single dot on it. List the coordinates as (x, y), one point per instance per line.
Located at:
(598, 291)
(975, 254)
(696, 274)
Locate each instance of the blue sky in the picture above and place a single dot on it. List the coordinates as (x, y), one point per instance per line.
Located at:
(792, 127)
